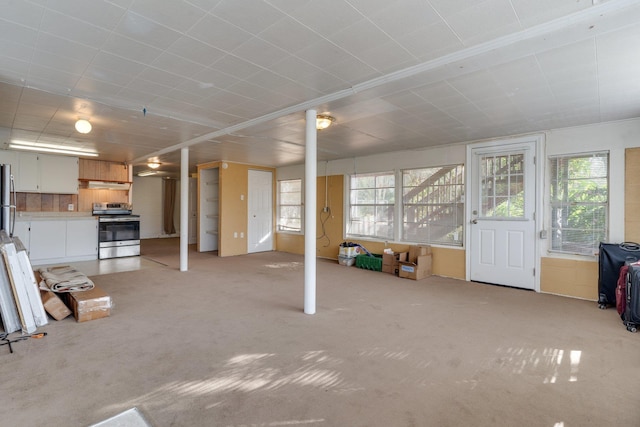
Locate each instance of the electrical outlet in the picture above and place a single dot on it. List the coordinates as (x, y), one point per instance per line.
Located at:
(235, 234)
(70, 207)
(325, 209)
(242, 234)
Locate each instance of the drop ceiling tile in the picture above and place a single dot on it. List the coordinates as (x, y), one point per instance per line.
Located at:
(360, 36)
(369, 7)
(195, 50)
(174, 64)
(306, 74)
(122, 46)
(260, 52)
(21, 12)
(477, 86)
(289, 35)
(39, 75)
(402, 18)
(450, 7)
(532, 13)
(352, 70)
(143, 30)
(235, 66)
(219, 33)
(100, 13)
(484, 21)
(64, 48)
(177, 15)
(212, 78)
(73, 29)
(108, 61)
(323, 54)
(251, 16)
(387, 57)
(430, 41)
(86, 86)
(327, 17)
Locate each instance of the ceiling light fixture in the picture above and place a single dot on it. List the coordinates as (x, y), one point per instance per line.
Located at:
(323, 121)
(50, 148)
(83, 126)
(153, 165)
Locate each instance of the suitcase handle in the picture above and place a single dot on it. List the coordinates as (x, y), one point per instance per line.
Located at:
(630, 246)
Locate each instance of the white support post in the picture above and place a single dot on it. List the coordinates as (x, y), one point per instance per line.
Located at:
(310, 190)
(184, 209)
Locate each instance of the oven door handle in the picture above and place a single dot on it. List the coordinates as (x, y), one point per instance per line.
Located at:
(119, 220)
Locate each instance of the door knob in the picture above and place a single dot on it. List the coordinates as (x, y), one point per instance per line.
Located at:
(474, 221)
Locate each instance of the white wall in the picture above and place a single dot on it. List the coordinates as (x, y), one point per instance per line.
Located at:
(614, 137)
(147, 202)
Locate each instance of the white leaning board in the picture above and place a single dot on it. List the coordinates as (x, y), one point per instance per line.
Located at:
(19, 288)
(8, 310)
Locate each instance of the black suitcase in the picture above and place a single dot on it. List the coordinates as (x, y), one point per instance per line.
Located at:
(611, 258)
(631, 314)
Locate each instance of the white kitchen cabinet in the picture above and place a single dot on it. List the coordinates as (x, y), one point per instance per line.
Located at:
(42, 173)
(27, 173)
(21, 230)
(47, 240)
(58, 174)
(58, 240)
(82, 238)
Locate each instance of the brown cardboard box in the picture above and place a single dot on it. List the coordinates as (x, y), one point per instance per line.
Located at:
(54, 305)
(390, 262)
(416, 270)
(89, 305)
(418, 250)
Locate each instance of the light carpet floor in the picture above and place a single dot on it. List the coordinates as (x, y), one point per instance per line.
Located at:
(227, 344)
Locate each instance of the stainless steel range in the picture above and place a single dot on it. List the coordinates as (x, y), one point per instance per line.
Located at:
(118, 230)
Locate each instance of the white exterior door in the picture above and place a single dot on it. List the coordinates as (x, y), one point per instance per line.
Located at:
(260, 204)
(502, 215)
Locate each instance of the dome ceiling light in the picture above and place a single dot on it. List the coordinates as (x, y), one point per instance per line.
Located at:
(323, 121)
(83, 126)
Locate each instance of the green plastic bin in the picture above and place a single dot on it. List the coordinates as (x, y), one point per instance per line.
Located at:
(369, 262)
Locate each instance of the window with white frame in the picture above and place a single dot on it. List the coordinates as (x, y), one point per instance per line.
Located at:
(371, 205)
(433, 205)
(290, 205)
(579, 202)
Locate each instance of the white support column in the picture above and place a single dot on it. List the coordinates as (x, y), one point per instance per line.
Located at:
(184, 209)
(310, 190)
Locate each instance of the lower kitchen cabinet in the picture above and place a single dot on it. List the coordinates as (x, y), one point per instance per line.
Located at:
(52, 241)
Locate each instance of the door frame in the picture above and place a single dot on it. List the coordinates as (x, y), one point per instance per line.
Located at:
(508, 144)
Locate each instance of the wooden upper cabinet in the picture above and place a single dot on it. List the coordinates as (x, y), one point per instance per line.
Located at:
(100, 170)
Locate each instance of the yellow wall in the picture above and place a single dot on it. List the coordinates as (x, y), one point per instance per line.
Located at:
(234, 188)
(569, 277)
(446, 262)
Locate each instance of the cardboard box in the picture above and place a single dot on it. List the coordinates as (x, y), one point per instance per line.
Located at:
(416, 270)
(54, 305)
(390, 262)
(418, 250)
(89, 305)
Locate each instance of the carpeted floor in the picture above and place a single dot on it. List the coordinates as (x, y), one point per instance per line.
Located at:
(227, 344)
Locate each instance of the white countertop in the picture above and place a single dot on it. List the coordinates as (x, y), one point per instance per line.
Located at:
(59, 216)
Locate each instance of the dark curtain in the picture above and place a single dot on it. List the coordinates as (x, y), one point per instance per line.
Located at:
(169, 205)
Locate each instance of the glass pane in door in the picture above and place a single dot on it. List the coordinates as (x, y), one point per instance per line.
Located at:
(502, 186)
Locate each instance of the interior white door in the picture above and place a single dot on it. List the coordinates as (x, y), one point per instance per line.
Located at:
(193, 211)
(209, 210)
(502, 225)
(260, 205)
